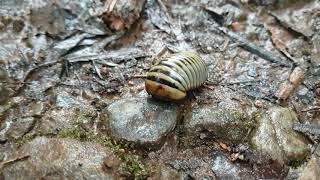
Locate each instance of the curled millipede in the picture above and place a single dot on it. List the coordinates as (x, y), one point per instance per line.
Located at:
(172, 77)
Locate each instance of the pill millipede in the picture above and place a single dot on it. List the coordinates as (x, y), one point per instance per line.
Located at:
(176, 74)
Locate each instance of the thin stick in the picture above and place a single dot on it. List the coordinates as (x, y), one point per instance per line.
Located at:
(6, 82)
(311, 109)
(96, 69)
(11, 161)
(248, 46)
(139, 76)
(307, 128)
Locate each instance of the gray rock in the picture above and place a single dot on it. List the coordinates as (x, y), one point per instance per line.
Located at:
(275, 137)
(18, 127)
(65, 100)
(35, 109)
(3, 73)
(141, 120)
(229, 125)
(5, 93)
(57, 159)
(9, 104)
(295, 172)
(59, 119)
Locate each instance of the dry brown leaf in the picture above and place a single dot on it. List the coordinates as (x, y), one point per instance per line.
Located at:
(297, 76)
(288, 87)
(224, 146)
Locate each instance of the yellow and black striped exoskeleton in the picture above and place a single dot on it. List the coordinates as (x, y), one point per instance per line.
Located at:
(176, 74)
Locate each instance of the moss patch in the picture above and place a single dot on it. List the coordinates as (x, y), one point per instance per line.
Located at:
(129, 163)
(29, 137)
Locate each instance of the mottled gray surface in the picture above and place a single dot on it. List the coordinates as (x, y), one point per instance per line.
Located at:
(165, 173)
(225, 169)
(56, 159)
(141, 120)
(219, 123)
(19, 127)
(275, 137)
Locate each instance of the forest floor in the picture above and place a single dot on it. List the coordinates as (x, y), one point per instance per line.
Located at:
(73, 103)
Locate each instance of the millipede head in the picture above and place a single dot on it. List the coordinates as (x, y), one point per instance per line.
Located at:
(163, 92)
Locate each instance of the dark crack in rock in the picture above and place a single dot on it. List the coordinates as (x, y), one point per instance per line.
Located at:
(141, 120)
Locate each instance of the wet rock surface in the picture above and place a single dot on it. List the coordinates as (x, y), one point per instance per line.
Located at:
(141, 120)
(19, 127)
(218, 123)
(225, 169)
(275, 137)
(68, 113)
(163, 173)
(56, 158)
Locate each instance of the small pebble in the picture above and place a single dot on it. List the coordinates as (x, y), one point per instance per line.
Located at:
(140, 88)
(258, 104)
(203, 135)
(104, 71)
(111, 161)
(236, 26)
(318, 91)
(131, 83)
(224, 146)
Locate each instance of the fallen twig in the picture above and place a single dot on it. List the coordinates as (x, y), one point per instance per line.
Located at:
(291, 28)
(208, 82)
(6, 82)
(307, 128)
(279, 44)
(97, 69)
(95, 58)
(137, 76)
(110, 58)
(289, 86)
(243, 43)
(163, 7)
(11, 161)
(314, 109)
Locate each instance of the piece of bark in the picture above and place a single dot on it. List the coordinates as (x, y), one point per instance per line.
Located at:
(121, 14)
(288, 87)
(297, 76)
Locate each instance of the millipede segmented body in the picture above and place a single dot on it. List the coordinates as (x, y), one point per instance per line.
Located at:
(175, 75)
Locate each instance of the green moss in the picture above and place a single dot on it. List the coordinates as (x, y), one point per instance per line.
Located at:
(29, 137)
(76, 133)
(133, 165)
(237, 115)
(306, 51)
(129, 163)
(24, 139)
